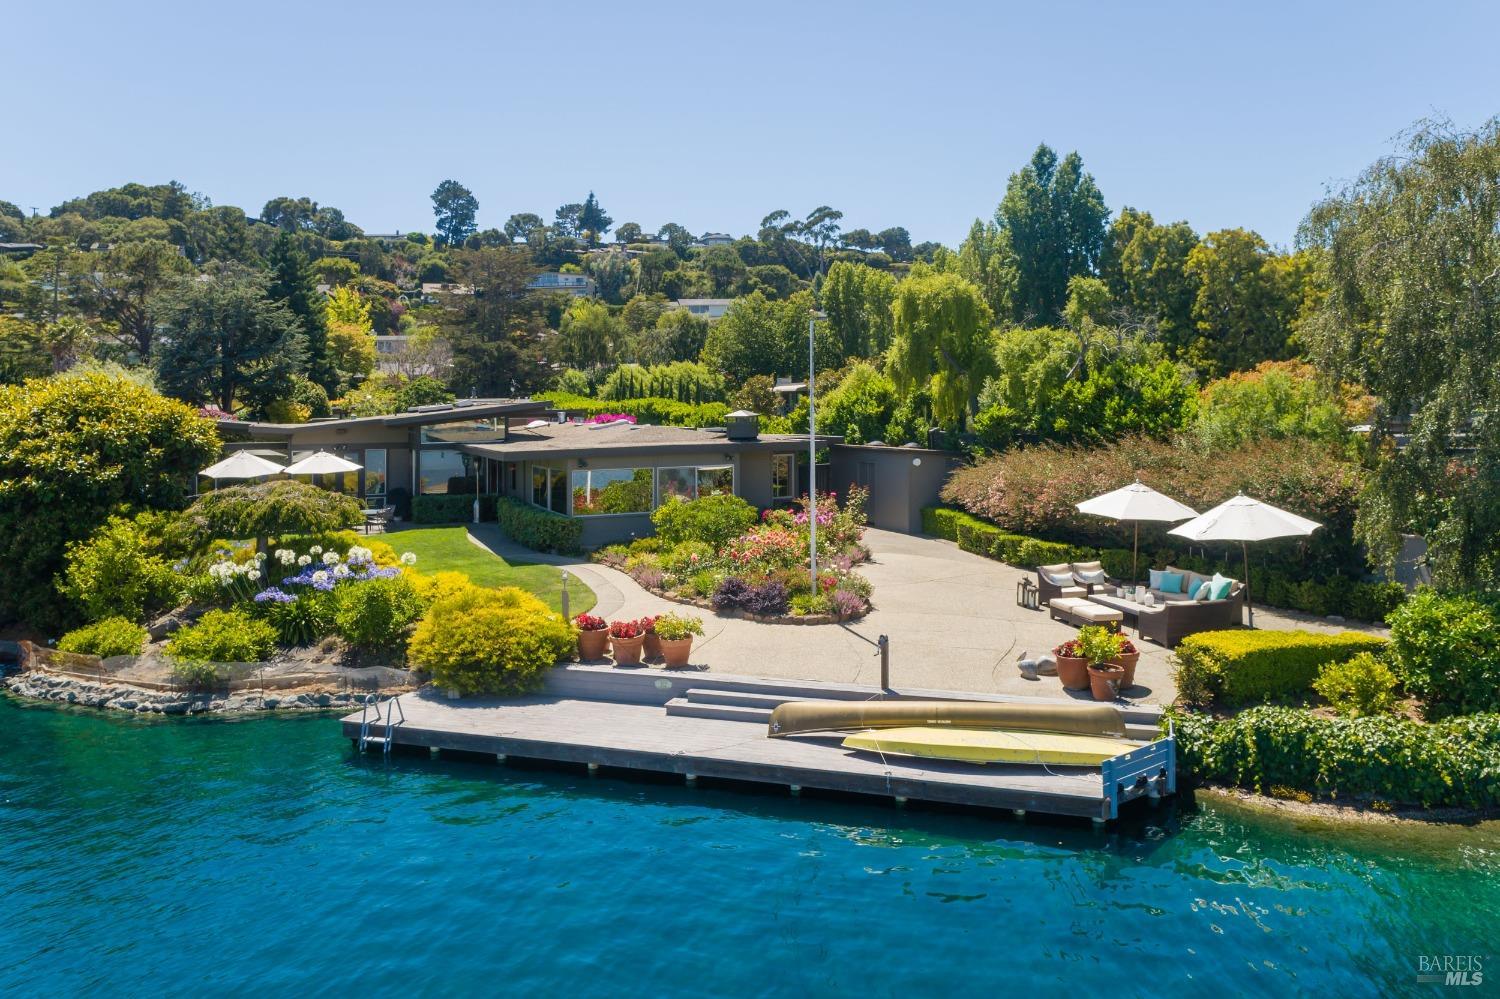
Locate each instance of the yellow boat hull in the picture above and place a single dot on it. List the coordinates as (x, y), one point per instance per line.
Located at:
(992, 745)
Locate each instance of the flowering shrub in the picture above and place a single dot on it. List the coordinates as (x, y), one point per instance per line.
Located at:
(1071, 649)
(610, 418)
(712, 520)
(766, 549)
(588, 622)
(113, 636)
(847, 604)
(731, 594)
(648, 623)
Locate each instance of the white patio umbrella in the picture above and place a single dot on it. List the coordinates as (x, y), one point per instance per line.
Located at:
(1137, 502)
(1245, 519)
(242, 465)
(321, 463)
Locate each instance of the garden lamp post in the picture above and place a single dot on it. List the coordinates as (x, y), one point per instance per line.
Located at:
(813, 316)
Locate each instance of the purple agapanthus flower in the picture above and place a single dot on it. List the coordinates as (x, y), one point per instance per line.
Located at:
(273, 595)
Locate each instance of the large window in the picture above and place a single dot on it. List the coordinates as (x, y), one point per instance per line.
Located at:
(559, 490)
(438, 465)
(692, 481)
(549, 488)
(611, 490)
(539, 485)
(716, 480)
(783, 476)
(375, 473)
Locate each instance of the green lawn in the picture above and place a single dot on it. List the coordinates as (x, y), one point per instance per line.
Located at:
(441, 549)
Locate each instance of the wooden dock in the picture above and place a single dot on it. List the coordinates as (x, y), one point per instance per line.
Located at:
(698, 725)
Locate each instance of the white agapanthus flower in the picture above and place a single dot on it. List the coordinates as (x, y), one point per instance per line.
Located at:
(260, 556)
(285, 556)
(360, 554)
(340, 571)
(254, 574)
(304, 560)
(320, 576)
(408, 558)
(316, 549)
(331, 558)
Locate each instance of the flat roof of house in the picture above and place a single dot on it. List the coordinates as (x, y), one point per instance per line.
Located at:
(583, 440)
(472, 409)
(705, 301)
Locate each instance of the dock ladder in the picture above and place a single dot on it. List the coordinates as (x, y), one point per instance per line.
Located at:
(369, 717)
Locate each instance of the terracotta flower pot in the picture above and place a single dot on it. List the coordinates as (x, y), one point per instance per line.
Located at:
(653, 645)
(1105, 681)
(627, 651)
(1127, 660)
(676, 651)
(591, 644)
(1073, 672)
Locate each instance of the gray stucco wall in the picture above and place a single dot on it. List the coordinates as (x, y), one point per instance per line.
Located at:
(901, 481)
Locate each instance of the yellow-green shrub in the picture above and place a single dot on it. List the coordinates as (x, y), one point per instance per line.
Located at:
(375, 612)
(1238, 667)
(113, 636)
(1361, 686)
(224, 636)
(489, 641)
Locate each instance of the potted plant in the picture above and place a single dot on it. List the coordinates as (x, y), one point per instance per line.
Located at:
(675, 632)
(593, 632)
(652, 648)
(626, 640)
(1072, 667)
(1099, 647)
(1127, 657)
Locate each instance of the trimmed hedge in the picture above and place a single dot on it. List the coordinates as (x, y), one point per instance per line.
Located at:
(452, 508)
(537, 528)
(1454, 763)
(1239, 667)
(1362, 601)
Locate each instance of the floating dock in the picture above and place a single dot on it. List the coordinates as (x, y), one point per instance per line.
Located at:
(698, 725)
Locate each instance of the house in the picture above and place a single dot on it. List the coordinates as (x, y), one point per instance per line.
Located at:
(788, 392)
(20, 249)
(708, 308)
(715, 239)
(431, 289)
(580, 285)
(611, 476)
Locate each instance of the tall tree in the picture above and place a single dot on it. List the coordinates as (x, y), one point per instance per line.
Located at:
(629, 232)
(589, 335)
(568, 219)
(1145, 266)
(943, 340)
(1053, 216)
(124, 284)
(290, 214)
(593, 222)
(821, 227)
(761, 337)
(1412, 312)
(986, 260)
(228, 342)
(455, 208)
(858, 301)
(521, 225)
(1245, 302)
(677, 238)
(294, 284)
(495, 333)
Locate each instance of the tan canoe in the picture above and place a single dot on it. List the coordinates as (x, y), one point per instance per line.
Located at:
(806, 717)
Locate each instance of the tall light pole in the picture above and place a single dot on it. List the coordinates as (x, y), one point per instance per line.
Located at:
(812, 454)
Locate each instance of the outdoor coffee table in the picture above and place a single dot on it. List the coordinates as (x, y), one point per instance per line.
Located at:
(1130, 608)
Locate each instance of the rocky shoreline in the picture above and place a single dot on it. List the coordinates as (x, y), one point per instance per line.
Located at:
(39, 686)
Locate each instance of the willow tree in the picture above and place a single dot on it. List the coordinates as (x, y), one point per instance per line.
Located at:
(1412, 312)
(942, 341)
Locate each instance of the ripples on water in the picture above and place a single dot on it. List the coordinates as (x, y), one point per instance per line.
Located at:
(213, 857)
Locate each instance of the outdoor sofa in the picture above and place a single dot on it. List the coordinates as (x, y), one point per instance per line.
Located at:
(1069, 579)
(1177, 615)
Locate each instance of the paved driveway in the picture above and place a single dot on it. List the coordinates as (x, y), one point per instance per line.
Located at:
(951, 616)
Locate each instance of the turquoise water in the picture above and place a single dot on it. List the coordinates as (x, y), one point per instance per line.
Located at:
(214, 857)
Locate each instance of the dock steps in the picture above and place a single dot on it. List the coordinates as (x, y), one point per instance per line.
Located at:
(684, 708)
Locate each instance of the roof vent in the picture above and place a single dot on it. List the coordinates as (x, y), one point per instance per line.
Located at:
(742, 425)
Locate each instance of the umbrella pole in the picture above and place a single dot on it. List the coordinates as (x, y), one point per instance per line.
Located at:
(1135, 556)
(1249, 600)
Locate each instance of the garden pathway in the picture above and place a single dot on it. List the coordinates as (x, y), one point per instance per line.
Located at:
(951, 616)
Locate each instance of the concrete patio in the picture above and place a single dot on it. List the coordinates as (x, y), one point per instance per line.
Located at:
(951, 617)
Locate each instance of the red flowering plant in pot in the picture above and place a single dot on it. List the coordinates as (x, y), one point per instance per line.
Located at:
(593, 633)
(626, 641)
(1127, 657)
(652, 648)
(1072, 667)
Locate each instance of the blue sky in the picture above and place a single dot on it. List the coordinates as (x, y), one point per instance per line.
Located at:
(712, 115)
